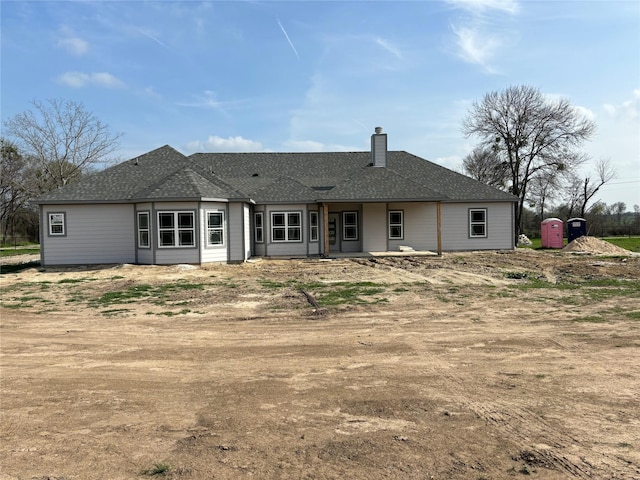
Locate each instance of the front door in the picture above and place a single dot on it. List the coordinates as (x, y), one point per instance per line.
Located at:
(334, 232)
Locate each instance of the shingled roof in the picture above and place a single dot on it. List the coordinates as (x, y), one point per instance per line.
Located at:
(166, 174)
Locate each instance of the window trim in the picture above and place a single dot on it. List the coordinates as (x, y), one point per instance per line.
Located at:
(210, 229)
(346, 225)
(176, 228)
(50, 231)
(401, 224)
(286, 226)
(257, 228)
(472, 223)
(140, 230)
(314, 227)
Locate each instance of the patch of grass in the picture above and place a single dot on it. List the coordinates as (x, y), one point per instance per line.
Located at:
(18, 267)
(632, 315)
(628, 243)
(271, 284)
(28, 298)
(114, 312)
(590, 319)
(184, 311)
(12, 306)
(125, 296)
(74, 280)
(517, 275)
(18, 251)
(339, 293)
(157, 469)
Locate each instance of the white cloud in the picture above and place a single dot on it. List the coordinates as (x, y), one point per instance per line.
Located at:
(229, 144)
(584, 111)
(99, 79)
(314, 146)
(477, 47)
(208, 100)
(627, 110)
(508, 6)
(75, 45)
(476, 39)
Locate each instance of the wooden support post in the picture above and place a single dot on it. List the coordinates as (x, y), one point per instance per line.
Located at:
(325, 215)
(439, 222)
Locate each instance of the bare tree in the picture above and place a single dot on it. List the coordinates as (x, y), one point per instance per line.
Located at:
(532, 134)
(605, 172)
(13, 195)
(63, 139)
(543, 189)
(485, 166)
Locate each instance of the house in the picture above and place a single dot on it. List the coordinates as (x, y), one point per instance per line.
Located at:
(166, 208)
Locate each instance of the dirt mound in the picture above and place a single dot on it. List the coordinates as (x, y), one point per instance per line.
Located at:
(594, 245)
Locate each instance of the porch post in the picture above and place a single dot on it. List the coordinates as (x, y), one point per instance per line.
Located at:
(439, 222)
(325, 222)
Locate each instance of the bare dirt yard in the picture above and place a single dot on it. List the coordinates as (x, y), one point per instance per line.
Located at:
(482, 365)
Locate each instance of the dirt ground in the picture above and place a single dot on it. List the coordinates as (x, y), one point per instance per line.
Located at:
(482, 365)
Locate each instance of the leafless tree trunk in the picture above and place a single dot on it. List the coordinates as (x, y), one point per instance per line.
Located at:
(605, 172)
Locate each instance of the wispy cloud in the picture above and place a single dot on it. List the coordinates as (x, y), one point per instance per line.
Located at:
(477, 47)
(288, 39)
(72, 43)
(475, 35)
(389, 47)
(99, 79)
(75, 45)
(152, 35)
(508, 6)
(208, 100)
(229, 144)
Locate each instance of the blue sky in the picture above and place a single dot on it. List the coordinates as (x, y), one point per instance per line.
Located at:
(320, 75)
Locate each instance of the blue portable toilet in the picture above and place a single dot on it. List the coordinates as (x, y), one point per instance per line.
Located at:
(551, 233)
(576, 227)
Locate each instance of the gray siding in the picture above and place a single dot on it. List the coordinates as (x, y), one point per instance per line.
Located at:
(420, 226)
(236, 234)
(93, 234)
(455, 227)
(374, 227)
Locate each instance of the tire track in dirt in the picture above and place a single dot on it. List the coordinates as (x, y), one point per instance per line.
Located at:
(541, 443)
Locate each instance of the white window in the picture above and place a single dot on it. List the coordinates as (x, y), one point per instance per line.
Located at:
(56, 224)
(143, 230)
(478, 223)
(176, 229)
(396, 225)
(313, 226)
(286, 227)
(258, 226)
(215, 228)
(350, 225)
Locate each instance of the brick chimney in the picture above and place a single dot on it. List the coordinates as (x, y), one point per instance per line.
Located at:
(379, 148)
